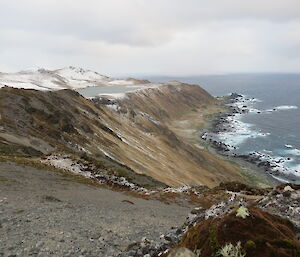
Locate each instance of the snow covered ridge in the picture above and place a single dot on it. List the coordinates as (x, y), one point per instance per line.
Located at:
(65, 78)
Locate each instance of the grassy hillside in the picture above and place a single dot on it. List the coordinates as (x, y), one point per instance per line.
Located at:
(137, 132)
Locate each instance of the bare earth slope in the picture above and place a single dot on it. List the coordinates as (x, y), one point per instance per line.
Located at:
(43, 213)
(136, 132)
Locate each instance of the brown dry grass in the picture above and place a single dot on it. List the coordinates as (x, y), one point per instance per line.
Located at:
(261, 235)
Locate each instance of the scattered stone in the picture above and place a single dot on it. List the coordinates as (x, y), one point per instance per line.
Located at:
(288, 189)
(51, 198)
(182, 252)
(286, 193)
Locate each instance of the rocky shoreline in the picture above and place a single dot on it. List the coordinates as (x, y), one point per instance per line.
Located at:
(237, 104)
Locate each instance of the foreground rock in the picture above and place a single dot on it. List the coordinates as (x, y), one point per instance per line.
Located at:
(50, 214)
(253, 234)
(182, 252)
(244, 220)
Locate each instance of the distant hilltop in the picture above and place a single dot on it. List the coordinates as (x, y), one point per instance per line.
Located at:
(65, 78)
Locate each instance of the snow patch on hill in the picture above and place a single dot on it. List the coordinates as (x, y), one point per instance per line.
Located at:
(65, 78)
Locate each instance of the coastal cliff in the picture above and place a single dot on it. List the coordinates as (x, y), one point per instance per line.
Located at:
(135, 131)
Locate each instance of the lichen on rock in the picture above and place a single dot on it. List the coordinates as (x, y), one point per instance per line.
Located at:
(242, 212)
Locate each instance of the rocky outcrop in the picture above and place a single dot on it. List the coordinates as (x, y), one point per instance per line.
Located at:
(182, 252)
(256, 234)
(247, 222)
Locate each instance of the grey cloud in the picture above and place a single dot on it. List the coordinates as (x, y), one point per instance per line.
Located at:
(156, 36)
(131, 21)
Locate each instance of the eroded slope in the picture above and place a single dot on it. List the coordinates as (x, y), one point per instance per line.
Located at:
(133, 131)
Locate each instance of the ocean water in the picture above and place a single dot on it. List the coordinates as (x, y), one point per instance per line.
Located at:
(272, 126)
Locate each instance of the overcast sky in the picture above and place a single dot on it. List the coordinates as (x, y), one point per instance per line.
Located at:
(151, 37)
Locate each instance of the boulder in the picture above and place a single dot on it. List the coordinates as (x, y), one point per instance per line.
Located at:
(182, 252)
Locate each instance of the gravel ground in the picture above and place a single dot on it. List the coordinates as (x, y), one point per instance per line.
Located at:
(43, 213)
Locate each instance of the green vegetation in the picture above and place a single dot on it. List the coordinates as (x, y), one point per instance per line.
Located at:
(35, 163)
(285, 243)
(214, 244)
(250, 245)
(98, 164)
(19, 211)
(51, 198)
(111, 167)
(255, 179)
(230, 250)
(242, 212)
(18, 150)
(3, 179)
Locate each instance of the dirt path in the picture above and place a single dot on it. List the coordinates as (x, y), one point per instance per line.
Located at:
(43, 213)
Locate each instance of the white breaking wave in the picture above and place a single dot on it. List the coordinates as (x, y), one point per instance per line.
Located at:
(283, 165)
(286, 107)
(281, 108)
(293, 152)
(297, 167)
(238, 132)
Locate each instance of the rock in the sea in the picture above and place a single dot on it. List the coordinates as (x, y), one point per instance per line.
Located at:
(182, 252)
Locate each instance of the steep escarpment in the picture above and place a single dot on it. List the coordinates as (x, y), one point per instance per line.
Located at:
(133, 131)
(168, 101)
(154, 111)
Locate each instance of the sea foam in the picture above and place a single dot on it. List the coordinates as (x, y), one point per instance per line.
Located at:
(294, 151)
(286, 107)
(238, 132)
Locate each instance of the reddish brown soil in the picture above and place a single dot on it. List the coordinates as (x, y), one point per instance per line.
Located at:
(261, 235)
